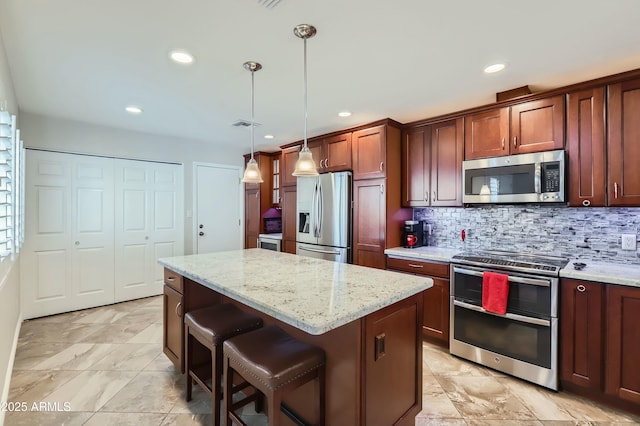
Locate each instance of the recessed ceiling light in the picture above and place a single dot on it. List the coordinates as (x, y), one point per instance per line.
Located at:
(494, 68)
(133, 109)
(268, 136)
(181, 57)
(344, 114)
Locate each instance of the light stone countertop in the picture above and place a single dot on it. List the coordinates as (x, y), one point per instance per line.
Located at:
(436, 254)
(313, 295)
(610, 273)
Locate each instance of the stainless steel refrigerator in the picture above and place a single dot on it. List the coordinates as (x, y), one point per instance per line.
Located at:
(324, 216)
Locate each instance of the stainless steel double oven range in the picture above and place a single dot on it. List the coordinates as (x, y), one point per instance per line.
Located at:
(524, 341)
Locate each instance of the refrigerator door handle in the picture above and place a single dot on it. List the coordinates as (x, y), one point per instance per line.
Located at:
(312, 213)
(320, 209)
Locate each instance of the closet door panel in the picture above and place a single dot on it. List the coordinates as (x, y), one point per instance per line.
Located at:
(92, 225)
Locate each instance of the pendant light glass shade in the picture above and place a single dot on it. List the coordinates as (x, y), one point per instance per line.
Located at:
(252, 171)
(305, 166)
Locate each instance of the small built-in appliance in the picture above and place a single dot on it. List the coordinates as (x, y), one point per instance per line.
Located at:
(537, 177)
(270, 241)
(522, 342)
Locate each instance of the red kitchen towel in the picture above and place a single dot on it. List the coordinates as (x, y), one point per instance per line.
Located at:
(495, 292)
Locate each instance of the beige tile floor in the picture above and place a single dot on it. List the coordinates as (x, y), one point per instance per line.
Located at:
(106, 364)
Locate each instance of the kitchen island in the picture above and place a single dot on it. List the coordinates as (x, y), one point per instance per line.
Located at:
(368, 321)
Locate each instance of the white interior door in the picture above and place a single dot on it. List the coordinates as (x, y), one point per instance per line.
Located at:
(67, 258)
(149, 224)
(218, 208)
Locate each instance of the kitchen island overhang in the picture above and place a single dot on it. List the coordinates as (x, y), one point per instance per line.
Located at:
(368, 321)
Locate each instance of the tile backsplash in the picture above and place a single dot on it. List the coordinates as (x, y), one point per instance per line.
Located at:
(583, 233)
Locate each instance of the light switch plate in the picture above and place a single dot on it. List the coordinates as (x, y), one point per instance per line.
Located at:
(628, 241)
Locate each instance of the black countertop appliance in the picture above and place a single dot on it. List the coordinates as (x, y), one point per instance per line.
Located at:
(413, 234)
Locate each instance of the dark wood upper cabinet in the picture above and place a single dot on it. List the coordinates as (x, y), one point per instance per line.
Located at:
(586, 147)
(537, 125)
(532, 126)
(416, 165)
(288, 165)
(622, 367)
(486, 134)
(446, 163)
(624, 143)
(333, 153)
(432, 165)
(369, 148)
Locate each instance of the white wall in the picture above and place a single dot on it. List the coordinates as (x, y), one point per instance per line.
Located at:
(9, 270)
(71, 136)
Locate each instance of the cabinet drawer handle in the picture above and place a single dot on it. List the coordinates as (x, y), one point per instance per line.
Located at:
(581, 288)
(515, 138)
(426, 196)
(502, 143)
(615, 189)
(171, 279)
(382, 188)
(381, 165)
(179, 310)
(586, 203)
(413, 265)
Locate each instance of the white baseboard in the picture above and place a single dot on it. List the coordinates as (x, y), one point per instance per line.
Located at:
(12, 358)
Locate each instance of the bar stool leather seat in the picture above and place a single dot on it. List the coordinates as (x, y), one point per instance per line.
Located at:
(211, 326)
(274, 363)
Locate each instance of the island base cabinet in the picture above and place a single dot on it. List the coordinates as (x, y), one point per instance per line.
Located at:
(622, 369)
(391, 356)
(173, 330)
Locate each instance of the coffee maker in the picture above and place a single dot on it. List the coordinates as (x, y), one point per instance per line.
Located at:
(413, 234)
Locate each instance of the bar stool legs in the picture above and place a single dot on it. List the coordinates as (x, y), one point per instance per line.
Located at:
(210, 327)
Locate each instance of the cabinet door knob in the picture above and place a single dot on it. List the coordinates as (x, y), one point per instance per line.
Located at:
(382, 188)
(515, 139)
(179, 310)
(426, 196)
(502, 143)
(381, 165)
(581, 288)
(201, 233)
(78, 242)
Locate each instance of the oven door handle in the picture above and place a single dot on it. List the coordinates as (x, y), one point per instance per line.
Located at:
(521, 318)
(512, 278)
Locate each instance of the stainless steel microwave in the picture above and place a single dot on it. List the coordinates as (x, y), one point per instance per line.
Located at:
(538, 177)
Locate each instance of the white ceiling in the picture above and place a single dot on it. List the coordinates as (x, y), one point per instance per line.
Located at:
(405, 59)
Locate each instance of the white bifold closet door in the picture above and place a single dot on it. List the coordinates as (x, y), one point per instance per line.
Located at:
(85, 242)
(149, 225)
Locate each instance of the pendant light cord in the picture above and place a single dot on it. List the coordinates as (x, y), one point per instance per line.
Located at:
(305, 93)
(253, 125)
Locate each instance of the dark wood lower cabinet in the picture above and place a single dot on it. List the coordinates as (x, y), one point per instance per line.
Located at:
(581, 333)
(173, 331)
(435, 323)
(600, 342)
(622, 367)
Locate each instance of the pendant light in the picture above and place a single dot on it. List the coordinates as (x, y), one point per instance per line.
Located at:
(305, 166)
(252, 172)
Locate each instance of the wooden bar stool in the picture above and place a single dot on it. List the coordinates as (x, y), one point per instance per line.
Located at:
(274, 363)
(211, 327)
